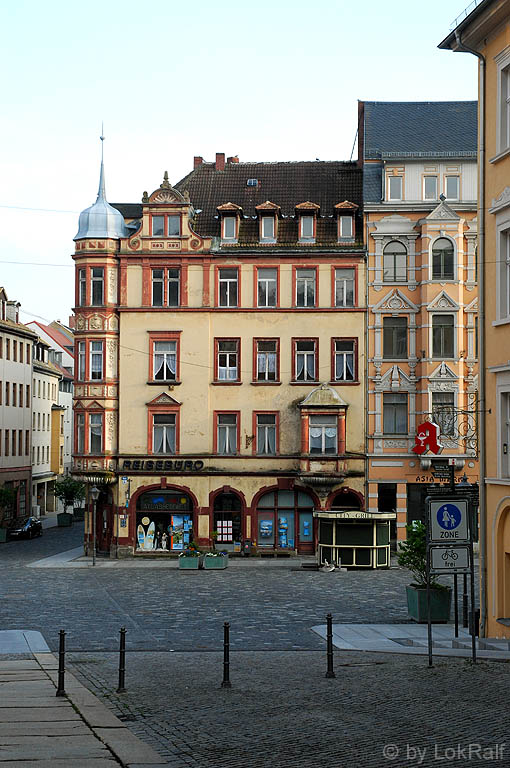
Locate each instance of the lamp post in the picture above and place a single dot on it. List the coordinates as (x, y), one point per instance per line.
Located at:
(94, 493)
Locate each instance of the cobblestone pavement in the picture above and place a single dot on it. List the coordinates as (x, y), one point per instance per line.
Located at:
(281, 711)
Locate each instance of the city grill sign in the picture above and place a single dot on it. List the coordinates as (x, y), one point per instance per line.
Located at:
(163, 465)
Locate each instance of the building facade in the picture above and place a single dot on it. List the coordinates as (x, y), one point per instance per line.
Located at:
(220, 351)
(486, 33)
(16, 345)
(420, 193)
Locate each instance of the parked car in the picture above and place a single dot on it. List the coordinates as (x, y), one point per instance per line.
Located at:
(26, 528)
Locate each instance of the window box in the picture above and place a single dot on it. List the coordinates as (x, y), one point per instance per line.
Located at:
(216, 561)
(191, 562)
(64, 519)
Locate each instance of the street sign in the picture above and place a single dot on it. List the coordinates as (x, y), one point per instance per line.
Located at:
(449, 521)
(449, 559)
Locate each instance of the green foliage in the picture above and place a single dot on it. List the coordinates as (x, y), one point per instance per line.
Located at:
(69, 491)
(413, 555)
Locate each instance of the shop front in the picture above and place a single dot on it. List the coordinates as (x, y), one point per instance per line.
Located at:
(284, 520)
(164, 521)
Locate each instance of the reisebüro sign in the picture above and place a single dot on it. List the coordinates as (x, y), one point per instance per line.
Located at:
(162, 465)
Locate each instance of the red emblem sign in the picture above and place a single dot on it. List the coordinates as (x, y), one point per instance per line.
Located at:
(427, 438)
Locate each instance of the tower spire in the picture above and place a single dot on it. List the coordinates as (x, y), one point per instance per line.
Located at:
(101, 195)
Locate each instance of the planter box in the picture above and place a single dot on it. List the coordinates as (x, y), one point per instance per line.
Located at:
(79, 513)
(212, 562)
(440, 604)
(64, 519)
(3, 535)
(194, 563)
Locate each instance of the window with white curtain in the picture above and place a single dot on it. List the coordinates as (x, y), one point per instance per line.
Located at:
(323, 432)
(81, 361)
(227, 433)
(266, 434)
(266, 360)
(443, 414)
(96, 360)
(163, 433)
(344, 360)
(165, 360)
(228, 369)
(305, 360)
(95, 433)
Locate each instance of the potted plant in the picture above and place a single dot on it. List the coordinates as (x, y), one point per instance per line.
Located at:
(191, 557)
(413, 555)
(69, 491)
(216, 560)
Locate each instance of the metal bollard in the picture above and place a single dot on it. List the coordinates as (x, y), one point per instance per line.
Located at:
(61, 663)
(122, 661)
(226, 656)
(456, 601)
(465, 603)
(329, 638)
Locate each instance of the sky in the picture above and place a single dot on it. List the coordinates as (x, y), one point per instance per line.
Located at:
(267, 80)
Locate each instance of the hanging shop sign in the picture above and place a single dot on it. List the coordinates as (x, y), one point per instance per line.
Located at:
(427, 438)
(162, 465)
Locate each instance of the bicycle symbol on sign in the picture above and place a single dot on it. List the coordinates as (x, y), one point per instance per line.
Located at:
(451, 554)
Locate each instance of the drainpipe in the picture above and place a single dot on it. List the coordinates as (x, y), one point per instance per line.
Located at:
(481, 314)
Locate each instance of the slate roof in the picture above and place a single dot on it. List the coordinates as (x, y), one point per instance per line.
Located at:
(420, 129)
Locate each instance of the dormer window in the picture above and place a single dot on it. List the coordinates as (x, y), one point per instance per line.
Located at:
(346, 223)
(158, 226)
(229, 228)
(307, 217)
(230, 215)
(268, 221)
(307, 227)
(166, 226)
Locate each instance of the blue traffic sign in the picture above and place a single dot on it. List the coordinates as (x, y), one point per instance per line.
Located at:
(449, 517)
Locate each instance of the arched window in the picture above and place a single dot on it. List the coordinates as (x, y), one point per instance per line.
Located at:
(346, 499)
(164, 520)
(227, 520)
(442, 259)
(395, 263)
(285, 521)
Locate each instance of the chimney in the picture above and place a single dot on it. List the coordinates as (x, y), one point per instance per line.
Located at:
(197, 160)
(12, 311)
(220, 161)
(233, 159)
(72, 322)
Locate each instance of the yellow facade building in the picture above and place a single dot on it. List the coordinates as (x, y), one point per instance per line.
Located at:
(485, 32)
(420, 192)
(220, 355)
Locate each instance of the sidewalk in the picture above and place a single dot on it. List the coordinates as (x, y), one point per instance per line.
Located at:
(40, 730)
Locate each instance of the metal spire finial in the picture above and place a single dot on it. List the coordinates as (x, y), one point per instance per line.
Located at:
(101, 194)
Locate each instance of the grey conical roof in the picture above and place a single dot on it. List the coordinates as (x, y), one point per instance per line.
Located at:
(101, 219)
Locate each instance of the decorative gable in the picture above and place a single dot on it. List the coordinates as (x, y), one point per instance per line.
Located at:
(443, 302)
(323, 396)
(395, 301)
(164, 399)
(165, 194)
(443, 212)
(473, 306)
(395, 379)
(443, 373)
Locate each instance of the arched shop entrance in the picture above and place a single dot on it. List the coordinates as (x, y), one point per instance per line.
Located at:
(164, 521)
(227, 521)
(285, 521)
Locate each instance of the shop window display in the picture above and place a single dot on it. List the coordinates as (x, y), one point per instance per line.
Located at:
(164, 521)
(285, 521)
(227, 521)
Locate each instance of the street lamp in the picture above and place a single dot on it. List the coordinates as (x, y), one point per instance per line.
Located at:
(94, 493)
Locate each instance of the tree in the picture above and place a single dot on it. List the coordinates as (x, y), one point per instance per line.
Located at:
(413, 555)
(69, 491)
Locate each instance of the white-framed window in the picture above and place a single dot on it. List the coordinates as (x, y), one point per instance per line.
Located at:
(174, 226)
(305, 287)
(227, 433)
(172, 277)
(344, 287)
(395, 263)
(505, 434)
(266, 434)
(504, 274)
(158, 287)
(503, 126)
(395, 413)
(267, 228)
(452, 187)
(97, 286)
(229, 228)
(395, 187)
(267, 351)
(344, 353)
(305, 360)
(443, 336)
(228, 360)
(173, 287)
(158, 226)
(443, 259)
(346, 227)
(228, 287)
(80, 432)
(95, 433)
(430, 187)
(165, 360)
(443, 404)
(82, 287)
(306, 227)
(163, 433)
(267, 280)
(323, 434)
(81, 362)
(96, 360)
